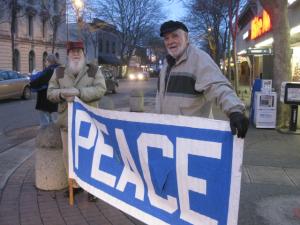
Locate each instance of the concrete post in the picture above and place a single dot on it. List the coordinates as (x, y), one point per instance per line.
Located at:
(106, 103)
(50, 173)
(136, 101)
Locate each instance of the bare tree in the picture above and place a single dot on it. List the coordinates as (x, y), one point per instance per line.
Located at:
(3, 8)
(278, 10)
(10, 11)
(55, 14)
(133, 18)
(207, 20)
(233, 9)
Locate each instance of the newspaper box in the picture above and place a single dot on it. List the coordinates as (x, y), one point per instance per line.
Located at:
(290, 94)
(265, 109)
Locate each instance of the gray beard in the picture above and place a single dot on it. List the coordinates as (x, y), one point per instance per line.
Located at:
(76, 67)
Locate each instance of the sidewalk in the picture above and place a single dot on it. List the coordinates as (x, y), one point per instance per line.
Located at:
(270, 193)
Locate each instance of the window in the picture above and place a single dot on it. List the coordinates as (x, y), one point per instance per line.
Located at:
(107, 46)
(57, 55)
(3, 75)
(55, 6)
(12, 75)
(16, 60)
(100, 45)
(31, 60)
(44, 30)
(30, 26)
(45, 54)
(16, 25)
(113, 48)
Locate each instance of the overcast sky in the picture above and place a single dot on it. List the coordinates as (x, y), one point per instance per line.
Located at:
(174, 9)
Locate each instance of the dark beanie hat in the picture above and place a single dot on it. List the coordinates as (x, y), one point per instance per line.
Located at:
(171, 26)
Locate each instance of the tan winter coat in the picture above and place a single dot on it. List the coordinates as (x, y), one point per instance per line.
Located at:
(90, 83)
(194, 82)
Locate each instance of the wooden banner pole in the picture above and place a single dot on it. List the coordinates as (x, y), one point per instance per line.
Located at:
(71, 194)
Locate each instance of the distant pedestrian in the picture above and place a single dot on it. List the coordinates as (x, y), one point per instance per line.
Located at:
(39, 83)
(76, 79)
(190, 81)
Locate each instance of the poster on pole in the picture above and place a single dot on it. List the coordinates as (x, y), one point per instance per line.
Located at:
(160, 169)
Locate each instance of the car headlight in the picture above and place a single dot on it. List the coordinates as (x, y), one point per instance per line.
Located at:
(131, 76)
(140, 76)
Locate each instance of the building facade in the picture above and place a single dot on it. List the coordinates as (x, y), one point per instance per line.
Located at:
(33, 35)
(255, 38)
(102, 43)
(254, 44)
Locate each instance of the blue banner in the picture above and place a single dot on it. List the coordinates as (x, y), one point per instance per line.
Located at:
(161, 169)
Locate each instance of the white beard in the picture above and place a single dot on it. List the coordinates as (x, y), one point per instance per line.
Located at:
(76, 66)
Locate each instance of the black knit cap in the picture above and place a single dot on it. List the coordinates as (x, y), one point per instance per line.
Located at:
(171, 26)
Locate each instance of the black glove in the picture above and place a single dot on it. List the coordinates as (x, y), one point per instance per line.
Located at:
(238, 124)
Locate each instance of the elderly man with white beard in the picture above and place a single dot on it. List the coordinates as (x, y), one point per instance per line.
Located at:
(190, 81)
(79, 79)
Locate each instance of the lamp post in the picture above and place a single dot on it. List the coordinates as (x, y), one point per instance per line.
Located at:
(78, 6)
(67, 19)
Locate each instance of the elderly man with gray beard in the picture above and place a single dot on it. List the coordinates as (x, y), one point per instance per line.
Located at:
(190, 81)
(76, 79)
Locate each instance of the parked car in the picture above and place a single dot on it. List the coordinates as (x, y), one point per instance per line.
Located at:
(14, 84)
(110, 81)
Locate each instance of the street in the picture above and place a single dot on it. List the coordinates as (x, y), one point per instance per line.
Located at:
(121, 98)
(20, 120)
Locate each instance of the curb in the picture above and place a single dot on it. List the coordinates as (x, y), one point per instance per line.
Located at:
(16, 164)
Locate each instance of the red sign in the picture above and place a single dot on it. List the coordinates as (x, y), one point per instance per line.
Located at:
(260, 25)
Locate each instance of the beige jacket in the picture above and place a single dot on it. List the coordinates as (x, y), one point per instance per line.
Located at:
(90, 83)
(194, 82)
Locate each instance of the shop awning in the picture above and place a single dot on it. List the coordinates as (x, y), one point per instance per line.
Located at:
(109, 60)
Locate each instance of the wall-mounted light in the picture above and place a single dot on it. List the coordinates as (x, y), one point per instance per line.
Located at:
(291, 1)
(295, 30)
(242, 52)
(246, 35)
(264, 43)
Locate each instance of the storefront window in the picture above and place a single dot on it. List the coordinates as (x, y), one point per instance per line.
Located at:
(296, 64)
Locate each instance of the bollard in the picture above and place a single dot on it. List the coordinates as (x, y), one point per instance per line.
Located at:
(106, 103)
(136, 101)
(50, 173)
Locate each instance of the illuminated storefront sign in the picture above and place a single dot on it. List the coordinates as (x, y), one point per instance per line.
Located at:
(260, 25)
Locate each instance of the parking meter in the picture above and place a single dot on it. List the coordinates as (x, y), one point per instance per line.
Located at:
(290, 94)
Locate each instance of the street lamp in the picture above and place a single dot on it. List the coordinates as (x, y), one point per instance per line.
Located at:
(78, 6)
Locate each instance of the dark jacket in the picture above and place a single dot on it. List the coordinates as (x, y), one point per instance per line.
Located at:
(39, 83)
